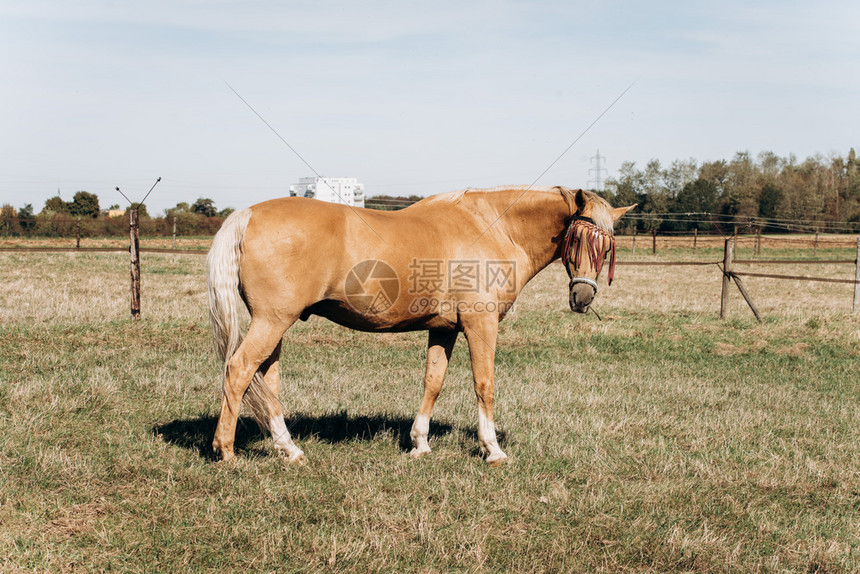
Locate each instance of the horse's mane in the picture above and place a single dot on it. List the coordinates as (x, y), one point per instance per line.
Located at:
(601, 210)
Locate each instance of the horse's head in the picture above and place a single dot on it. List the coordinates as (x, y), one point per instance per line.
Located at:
(587, 243)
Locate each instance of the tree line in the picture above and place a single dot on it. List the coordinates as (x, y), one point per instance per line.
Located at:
(84, 215)
(768, 192)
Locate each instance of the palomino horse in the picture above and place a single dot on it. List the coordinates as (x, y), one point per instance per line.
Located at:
(449, 263)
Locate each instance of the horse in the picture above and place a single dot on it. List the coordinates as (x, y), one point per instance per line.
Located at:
(450, 263)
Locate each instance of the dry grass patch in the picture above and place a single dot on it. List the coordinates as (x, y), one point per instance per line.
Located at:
(76, 520)
(727, 349)
(795, 350)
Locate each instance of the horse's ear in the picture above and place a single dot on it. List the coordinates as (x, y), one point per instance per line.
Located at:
(580, 200)
(620, 211)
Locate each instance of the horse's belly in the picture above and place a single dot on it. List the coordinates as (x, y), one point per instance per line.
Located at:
(377, 321)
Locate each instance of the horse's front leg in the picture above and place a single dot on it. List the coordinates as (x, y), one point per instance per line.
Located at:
(439, 347)
(481, 332)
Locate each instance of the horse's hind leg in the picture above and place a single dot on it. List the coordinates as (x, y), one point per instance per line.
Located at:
(280, 435)
(439, 347)
(258, 346)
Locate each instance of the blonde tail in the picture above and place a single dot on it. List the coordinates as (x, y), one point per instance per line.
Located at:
(222, 267)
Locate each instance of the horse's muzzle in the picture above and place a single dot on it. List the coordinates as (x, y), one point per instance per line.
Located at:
(581, 296)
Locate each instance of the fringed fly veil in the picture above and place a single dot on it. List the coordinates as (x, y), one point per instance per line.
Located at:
(584, 236)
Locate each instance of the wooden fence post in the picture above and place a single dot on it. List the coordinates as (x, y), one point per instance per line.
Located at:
(735, 238)
(758, 241)
(728, 256)
(695, 238)
(815, 246)
(134, 249)
(634, 241)
(856, 280)
(78, 234)
(174, 232)
(728, 275)
(654, 241)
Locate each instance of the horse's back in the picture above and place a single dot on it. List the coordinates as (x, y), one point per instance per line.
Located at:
(335, 231)
(298, 250)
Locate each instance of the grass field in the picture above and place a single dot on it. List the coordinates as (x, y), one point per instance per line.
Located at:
(660, 439)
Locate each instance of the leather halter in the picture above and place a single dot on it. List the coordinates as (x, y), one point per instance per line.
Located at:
(597, 242)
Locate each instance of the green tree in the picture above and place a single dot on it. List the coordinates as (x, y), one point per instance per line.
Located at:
(84, 204)
(802, 186)
(56, 205)
(697, 198)
(204, 206)
(226, 212)
(852, 177)
(740, 197)
(627, 188)
(700, 196)
(8, 220)
(770, 164)
(657, 199)
(679, 175)
(26, 218)
(769, 199)
(654, 183)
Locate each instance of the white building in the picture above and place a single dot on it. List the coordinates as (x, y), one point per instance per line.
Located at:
(344, 190)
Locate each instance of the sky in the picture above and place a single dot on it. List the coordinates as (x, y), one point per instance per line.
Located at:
(411, 98)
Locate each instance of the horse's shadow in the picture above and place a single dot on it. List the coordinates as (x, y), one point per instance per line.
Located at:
(196, 433)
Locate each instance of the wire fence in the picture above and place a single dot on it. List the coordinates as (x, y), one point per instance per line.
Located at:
(640, 243)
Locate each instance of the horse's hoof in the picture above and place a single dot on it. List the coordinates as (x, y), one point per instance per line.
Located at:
(293, 456)
(497, 461)
(416, 453)
(299, 460)
(226, 456)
